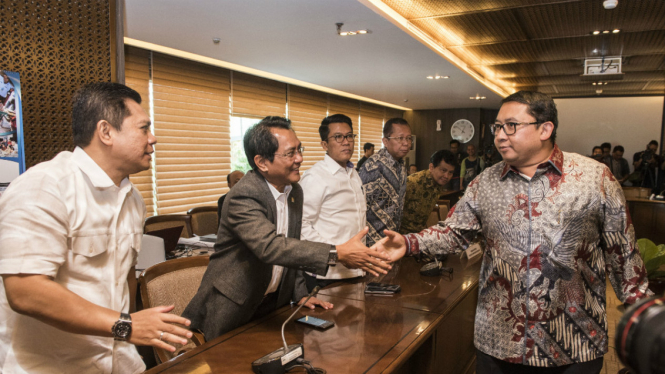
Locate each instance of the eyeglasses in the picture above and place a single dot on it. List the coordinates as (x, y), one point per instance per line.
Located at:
(509, 127)
(340, 138)
(401, 139)
(291, 154)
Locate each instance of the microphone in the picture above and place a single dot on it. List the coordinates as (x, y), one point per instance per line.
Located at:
(283, 359)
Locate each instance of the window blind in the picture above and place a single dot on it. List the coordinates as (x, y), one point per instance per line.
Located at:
(306, 110)
(256, 96)
(137, 76)
(371, 125)
(191, 106)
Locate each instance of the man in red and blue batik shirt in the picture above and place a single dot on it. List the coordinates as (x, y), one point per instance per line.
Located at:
(556, 225)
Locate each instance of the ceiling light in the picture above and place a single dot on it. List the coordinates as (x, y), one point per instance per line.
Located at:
(594, 51)
(596, 32)
(606, 31)
(345, 33)
(599, 92)
(615, 31)
(430, 77)
(445, 77)
(610, 4)
(482, 98)
(594, 83)
(437, 77)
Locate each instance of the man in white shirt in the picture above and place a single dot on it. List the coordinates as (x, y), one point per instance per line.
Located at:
(70, 233)
(334, 204)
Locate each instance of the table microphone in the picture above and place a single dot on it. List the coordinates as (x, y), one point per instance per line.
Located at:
(283, 359)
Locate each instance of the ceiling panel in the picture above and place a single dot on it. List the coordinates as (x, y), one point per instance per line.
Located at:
(428, 8)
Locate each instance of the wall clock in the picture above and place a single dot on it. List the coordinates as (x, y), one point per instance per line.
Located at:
(462, 130)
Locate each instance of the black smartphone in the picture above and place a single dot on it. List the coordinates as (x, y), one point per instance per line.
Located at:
(317, 323)
(382, 288)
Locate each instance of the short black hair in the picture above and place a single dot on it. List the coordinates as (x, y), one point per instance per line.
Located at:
(618, 148)
(413, 165)
(442, 155)
(654, 143)
(388, 126)
(368, 146)
(324, 129)
(99, 101)
(259, 140)
(596, 147)
(541, 107)
(454, 141)
(606, 145)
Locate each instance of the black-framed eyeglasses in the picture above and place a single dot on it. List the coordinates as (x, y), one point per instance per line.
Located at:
(291, 154)
(401, 139)
(340, 138)
(509, 127)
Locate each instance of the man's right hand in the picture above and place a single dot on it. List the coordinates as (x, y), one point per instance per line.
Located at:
(149, 324)
(355, 255)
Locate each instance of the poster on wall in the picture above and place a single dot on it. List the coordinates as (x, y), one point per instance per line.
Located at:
(12, 155)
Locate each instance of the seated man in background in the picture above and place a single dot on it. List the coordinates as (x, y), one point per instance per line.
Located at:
(647, 162)
(619, 165)
(333, 200)
(71, 231)
(423, 190)
(413, 169)
(231, 180)
(259, 257)
(368, 148)
(384, 180)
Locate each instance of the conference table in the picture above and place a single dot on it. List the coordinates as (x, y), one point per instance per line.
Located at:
(426, 328)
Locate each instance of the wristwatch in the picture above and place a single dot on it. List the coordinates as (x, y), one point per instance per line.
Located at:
(332, 257)
(122, 329)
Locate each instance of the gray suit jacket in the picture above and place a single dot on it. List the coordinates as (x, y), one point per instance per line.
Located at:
(247, 247)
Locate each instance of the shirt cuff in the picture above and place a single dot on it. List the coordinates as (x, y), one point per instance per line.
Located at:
(412, 246)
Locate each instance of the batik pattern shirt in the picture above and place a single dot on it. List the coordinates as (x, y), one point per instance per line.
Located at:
(551, 241)
(422, 193)
(384, 185)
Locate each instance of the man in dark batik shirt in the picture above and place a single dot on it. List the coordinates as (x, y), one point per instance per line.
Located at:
(556, 226)
(384, 180)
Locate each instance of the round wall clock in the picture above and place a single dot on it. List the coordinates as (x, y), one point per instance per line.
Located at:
(462, 130)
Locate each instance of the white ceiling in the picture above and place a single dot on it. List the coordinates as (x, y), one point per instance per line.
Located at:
(298, 39)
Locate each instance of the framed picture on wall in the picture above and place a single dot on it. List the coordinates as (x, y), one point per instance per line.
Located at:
(12, 154)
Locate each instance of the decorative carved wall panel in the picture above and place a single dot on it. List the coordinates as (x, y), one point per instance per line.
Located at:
(56, 46)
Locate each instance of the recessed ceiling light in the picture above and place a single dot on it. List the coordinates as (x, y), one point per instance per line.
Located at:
(362, 31)
(437, 77)
(351, 33)
(594, 51)
(596, 32)
(482, 98)
(594, 83)
(606, 31)
(445, 77)
(344, 33)
(616, 31)
(430, 77)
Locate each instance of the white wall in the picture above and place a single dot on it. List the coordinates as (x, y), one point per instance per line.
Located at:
(628, 121)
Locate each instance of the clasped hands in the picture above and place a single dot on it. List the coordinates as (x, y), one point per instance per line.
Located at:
(377, 259)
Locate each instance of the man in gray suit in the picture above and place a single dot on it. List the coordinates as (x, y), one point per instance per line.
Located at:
(258, 261)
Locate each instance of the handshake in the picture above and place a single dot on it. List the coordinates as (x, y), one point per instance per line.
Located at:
(377, 259)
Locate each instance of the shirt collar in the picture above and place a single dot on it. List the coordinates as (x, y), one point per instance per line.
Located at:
(383, 152)
(276, 194)
(555, 161)
(333, 167)
(89, 167)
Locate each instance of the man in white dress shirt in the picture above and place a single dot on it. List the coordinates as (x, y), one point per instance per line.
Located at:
(70, 233)
(334, 204)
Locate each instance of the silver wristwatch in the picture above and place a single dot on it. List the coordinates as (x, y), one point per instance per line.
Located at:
(332, 257)
(122, 329)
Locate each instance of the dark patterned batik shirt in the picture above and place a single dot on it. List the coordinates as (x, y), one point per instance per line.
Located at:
(422, 193)
(551, 241)
(384, 185)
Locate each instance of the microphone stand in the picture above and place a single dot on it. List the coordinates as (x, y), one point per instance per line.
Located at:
(311, 294)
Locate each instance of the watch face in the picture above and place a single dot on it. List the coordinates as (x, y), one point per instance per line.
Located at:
(462, 130)
(122, 330)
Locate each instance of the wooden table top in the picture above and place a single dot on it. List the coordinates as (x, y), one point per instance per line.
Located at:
(372, 334)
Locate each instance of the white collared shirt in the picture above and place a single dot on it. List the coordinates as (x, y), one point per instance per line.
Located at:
(333, 209)
(65, 218)
(282, 229)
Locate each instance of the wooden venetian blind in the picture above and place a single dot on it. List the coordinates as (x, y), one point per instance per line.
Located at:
(191, 106)
(371, 125)
(307, 108)
(257, 97)
(137, 76)
(350, 108)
